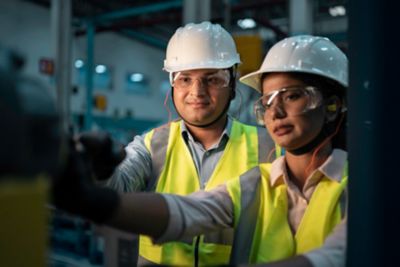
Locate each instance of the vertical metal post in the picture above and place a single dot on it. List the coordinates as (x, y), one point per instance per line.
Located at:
(61, 35)
(196, 11)
(89, 67)
(301, 17)
(227, 15)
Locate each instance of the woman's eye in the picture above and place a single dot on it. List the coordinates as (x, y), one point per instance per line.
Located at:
(292, 96)
(265, 104)
(213, 81)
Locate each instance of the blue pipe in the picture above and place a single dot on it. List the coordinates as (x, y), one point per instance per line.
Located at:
(130, 12)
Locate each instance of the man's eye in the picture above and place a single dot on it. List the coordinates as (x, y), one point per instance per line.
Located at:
(184, 80)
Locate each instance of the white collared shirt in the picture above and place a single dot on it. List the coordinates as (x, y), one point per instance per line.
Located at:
(211, 210)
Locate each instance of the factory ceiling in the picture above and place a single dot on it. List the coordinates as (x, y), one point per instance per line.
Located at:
(153, 22)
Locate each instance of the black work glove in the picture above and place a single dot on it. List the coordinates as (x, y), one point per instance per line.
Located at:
(74, 192)
(104, 154)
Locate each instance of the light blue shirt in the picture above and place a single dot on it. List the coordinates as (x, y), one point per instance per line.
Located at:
(134, 172)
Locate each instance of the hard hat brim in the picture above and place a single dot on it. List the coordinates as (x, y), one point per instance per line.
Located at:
(205, 65)
(253, 79)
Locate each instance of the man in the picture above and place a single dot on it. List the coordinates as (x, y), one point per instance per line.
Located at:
(202, 149)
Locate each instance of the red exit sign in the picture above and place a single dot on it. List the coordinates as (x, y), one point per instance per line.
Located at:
(46, 66)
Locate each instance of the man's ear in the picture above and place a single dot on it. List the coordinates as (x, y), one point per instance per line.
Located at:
(333, 107)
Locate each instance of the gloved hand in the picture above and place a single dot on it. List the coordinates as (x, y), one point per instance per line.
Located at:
(74, 192)
(104, 154)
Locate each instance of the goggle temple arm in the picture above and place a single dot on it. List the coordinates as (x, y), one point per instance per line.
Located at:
(173, 76)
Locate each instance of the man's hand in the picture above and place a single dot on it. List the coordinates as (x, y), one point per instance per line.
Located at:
(103, 153)
(74, 192)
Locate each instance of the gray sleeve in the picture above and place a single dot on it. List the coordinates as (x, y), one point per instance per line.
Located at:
(333, 252)
(133, 172)
(198, 213)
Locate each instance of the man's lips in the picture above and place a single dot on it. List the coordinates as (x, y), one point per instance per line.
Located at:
(283, 129)
(197, 104)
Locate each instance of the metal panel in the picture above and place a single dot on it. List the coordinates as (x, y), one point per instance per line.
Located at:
(372, 169)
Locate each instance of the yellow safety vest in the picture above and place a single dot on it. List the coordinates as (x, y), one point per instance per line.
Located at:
(263, 233)
(175, 172)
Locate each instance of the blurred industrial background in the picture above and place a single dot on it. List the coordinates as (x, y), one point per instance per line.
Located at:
(102, 60)
(123, 44)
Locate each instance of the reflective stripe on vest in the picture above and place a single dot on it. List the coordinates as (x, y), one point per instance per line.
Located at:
(262, 232)
(174, 172)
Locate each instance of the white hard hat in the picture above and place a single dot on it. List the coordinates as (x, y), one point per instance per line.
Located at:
(303, 53)
(200, 46)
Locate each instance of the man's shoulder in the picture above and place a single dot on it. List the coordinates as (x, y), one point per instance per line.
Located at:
(165, 126)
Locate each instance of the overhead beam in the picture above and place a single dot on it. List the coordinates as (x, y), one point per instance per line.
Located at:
(172, 17)
(256, 4)
(148, 39)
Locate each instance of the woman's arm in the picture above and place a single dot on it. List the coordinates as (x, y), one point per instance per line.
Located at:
(333, 251)
(145, 213)
(141, 213)
(173, 217)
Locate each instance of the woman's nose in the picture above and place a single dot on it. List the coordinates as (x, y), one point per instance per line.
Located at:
(276, 110)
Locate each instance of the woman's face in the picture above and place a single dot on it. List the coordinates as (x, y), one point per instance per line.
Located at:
(290, 131)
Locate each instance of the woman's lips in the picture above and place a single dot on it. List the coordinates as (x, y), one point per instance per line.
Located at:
(283, 129)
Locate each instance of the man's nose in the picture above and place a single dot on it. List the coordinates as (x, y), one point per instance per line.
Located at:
(198, 87)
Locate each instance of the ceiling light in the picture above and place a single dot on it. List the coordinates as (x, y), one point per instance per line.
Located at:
(246, 23)
(337, 11)
(101, 69)
(79, 63)
(136, 77)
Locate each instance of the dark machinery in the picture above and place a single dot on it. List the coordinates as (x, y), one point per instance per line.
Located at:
(30, 144)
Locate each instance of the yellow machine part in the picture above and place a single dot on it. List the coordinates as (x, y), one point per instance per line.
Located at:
(23, 221)
(250, 48)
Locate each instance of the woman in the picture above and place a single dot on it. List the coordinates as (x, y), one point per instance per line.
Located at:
(294, 206)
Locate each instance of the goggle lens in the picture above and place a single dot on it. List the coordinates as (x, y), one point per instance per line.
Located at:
(293, 101)
(217, 80)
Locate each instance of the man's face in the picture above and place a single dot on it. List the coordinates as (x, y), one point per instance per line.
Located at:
(201, 96)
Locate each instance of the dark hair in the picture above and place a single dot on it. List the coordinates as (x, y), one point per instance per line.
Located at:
(328, 88)
(232, 81)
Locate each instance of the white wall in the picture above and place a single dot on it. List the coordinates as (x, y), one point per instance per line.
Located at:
(125, 55)
(25, 27)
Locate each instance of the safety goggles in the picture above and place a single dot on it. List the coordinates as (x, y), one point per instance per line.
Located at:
(292, 101)
(214, 81)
